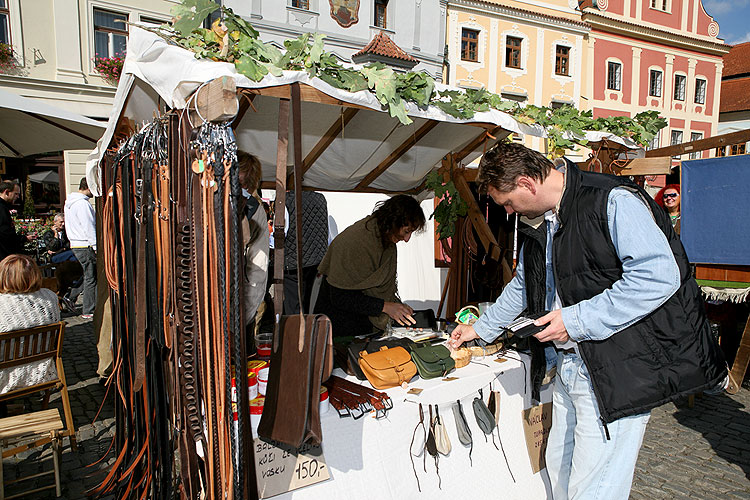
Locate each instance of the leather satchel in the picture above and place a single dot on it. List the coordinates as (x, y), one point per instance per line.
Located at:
(301, 359)
(388, 367)
(370, 346)
(432, 361)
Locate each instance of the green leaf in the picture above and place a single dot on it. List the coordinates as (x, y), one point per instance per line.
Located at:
(248, 67)
(191, 13)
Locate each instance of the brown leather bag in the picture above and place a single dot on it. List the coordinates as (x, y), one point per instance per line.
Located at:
(300, 360)
(388, 367)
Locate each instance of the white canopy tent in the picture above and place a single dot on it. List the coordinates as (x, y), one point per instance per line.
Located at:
(156, 73)
(29, 127)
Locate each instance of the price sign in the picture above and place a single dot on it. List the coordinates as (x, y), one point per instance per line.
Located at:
(280, 468)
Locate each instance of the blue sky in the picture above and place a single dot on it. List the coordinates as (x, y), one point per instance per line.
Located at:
(733, 17)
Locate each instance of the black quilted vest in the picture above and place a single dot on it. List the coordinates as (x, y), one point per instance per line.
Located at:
(668, 354)
(314, 230)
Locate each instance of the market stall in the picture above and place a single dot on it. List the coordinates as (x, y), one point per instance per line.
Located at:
(170, 201)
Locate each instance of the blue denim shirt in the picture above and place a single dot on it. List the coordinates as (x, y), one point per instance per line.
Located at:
(650, 276)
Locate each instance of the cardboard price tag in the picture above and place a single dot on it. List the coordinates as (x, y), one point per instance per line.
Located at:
(280, 468)
(537, 422)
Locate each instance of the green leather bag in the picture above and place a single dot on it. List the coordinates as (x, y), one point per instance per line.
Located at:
(432, 360)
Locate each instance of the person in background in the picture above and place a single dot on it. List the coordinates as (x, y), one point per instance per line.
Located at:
(669, 199)
(602, 266)
(24, 304)
(314, 246)
(80, 226)
(255, 237)
(68, 271)
(10, 241)
(358, 290)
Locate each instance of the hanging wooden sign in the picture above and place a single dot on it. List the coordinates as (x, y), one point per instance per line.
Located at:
(345, 12)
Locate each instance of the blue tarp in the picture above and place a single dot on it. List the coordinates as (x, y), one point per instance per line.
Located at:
(715, 210)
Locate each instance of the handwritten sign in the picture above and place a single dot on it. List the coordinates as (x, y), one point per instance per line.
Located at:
(280, 468)
(537, 422)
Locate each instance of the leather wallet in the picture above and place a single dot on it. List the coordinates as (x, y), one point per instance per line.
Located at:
(524, 326)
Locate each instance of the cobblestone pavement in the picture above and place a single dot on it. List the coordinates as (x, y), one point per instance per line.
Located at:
(700, 452)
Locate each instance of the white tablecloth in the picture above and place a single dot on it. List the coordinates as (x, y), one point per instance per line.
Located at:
(369, 459)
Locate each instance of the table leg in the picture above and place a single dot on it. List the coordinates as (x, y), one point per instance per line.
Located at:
(741, 361)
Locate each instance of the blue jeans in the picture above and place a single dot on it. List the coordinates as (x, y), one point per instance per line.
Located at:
(582, 463)
(87, 258)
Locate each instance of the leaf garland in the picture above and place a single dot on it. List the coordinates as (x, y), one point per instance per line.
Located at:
(255, 59)
(450, 207)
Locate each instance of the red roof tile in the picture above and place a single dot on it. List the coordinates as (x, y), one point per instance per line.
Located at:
(737, 61)
(735, 95)
(382, 45)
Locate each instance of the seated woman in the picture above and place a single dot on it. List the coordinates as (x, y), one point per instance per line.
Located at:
(359, 291)
(24, 304)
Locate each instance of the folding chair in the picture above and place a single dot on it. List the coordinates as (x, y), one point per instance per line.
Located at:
(26, 431)
(35, 345)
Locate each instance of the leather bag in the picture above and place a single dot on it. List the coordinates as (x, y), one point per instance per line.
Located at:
(388, 367)
(432, 361)
(370, 346)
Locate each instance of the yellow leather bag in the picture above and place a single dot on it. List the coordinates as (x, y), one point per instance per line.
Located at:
(388, 367)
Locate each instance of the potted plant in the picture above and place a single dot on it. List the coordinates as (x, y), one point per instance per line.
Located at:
(109, 67)
(8, 61)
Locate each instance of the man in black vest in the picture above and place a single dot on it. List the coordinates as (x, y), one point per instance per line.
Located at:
(625, 315)
(10, 241)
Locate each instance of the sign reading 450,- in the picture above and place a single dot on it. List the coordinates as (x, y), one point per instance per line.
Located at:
(280, 468)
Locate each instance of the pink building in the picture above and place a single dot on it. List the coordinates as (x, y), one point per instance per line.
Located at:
(656, 55)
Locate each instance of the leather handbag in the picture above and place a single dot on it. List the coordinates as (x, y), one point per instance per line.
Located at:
(388, 367)
(432, 361)
(370, 346)
(302, 357)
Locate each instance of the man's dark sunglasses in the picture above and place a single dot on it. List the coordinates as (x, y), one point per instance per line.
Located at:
(670, 195)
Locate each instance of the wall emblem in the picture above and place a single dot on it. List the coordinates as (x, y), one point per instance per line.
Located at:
(345, 12)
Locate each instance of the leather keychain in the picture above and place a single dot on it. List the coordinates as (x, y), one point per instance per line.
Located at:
(421, 447)
(462, 427)
(431, 446)
(443, 444)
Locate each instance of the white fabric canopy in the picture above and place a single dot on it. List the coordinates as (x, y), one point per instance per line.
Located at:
(28, 126)
(156, 72)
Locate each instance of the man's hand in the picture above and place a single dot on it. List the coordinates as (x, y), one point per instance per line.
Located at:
(401, 313)
(555, 329)
(462, 333)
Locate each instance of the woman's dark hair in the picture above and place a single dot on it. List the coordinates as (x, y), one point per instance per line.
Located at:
(397, 212)
(505, 162)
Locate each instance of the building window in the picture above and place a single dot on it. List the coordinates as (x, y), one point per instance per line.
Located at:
(721, 151)
(654, 144)
(469, 44)
(614, 76)
(700, 91)
(654, 85)
(695, 136)
(110, 33)
(153, 20)
(513, 52)
(562, 60)
(380, 13)
(4, 22)
(676, 139)
(659, 5)
(737, 149)
(679, 87)
(301, 4)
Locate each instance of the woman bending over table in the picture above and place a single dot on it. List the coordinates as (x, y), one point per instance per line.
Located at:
(359, 290)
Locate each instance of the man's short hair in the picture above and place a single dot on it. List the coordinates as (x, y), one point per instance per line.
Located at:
(505, 162)
(59, 215)
(83, 185)
(7, 186)
(249, 171)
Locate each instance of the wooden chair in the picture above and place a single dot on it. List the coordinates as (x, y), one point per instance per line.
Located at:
(29, 430)
(38, 344)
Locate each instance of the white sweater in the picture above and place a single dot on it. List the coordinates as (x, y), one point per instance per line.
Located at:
(80, 221)
(26, 310)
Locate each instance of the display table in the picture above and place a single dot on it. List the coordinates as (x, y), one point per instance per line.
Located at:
(369, 458)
